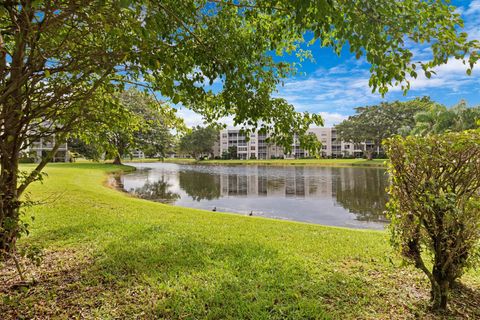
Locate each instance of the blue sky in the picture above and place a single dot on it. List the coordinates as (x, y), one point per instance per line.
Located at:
(334, 85)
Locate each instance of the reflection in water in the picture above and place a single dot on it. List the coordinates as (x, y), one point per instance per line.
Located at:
(200, 185)
(156, 191)
(363, 195)
(352, 197)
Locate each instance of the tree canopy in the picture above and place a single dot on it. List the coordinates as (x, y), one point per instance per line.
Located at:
(148, 125)
(199, 141)
(378, 122)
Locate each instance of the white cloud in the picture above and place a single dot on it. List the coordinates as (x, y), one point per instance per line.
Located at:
(330, 119)
(473, 8)
(193, 119)
(190, 117)
(472, 19)
(451, 76)
(333, 91)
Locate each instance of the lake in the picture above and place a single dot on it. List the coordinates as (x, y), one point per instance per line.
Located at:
(351, 197)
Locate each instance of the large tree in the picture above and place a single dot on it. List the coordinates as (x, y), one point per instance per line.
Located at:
(148, 124)
(375, 123)
(149, 128)
(85, 150)
(199, 141)
(57, 57)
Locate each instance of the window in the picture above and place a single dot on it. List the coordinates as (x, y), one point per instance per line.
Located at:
(252, 148)
(347, 146)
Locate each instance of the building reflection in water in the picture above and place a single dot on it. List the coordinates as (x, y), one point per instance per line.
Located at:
(272, 191)
(361, 191)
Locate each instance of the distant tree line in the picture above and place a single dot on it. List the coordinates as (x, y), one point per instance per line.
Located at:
(420, 116)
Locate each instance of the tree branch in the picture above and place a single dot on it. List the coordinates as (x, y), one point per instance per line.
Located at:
(37, 171)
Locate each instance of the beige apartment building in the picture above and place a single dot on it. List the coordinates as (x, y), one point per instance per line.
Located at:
(257, 147)
(41, 148)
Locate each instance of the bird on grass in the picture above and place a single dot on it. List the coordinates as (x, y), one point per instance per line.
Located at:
(214, 209)
(251, 213)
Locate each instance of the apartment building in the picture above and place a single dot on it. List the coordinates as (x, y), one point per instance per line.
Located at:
(137, 154)
(332, 146)
(232, 140)
(255, 148)
(41, 148)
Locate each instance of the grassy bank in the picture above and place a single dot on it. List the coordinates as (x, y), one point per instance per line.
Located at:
(282, 162)
(108, 255)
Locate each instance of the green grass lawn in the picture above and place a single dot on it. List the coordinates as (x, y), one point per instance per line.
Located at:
(317, 162)
(108, 255)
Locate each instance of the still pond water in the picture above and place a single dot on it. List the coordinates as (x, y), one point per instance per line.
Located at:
(346, 197)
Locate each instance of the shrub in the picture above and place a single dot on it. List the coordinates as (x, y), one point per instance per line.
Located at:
(434, 205)
(26, 160)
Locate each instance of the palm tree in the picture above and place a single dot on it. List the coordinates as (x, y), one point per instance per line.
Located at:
(439, 119)
(429, 121)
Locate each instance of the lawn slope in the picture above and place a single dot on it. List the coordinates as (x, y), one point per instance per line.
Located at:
(108, 255)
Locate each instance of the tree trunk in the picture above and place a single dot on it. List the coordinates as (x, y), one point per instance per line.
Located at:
(440, 287)
(9, 202)
(369, 154)
(117, 160)
(439, 294)
(11, 189)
